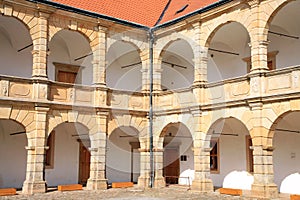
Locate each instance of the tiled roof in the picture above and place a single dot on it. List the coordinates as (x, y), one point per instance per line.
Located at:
(143, 12)
(179, 8)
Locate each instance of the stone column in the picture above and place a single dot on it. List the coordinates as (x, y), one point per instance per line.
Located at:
(98, 46)
(259, 58)
(97, 180)
(36, 134)
(263, 185)
(39, 34)
(201, 182)
(200, 57)
(159, 180)
(144, 178)
(259, 43)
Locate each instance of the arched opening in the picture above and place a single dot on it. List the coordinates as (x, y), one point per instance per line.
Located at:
(283, 35)
(12, 154)
(177, 66)
(70, 58)
(178, 155)
(68, 157)
(15, 48)
(231, 150)
(286, 152)
(124, 67)
(228, 52)
(123, 156)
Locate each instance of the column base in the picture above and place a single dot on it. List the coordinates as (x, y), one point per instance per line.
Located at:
(34, 187)
(96, 184)
(159, 182)
(203, 185)
(143, 182)
(267, 191)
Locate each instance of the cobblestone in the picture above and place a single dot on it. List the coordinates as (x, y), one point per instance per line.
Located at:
(126, 194)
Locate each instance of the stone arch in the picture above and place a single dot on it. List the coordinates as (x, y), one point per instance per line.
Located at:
(22, 115)
(57, 24)
(163, 44)
(138, 43)
(186, 120)
(210, 132)
(139, 123)
(274, 7)
(28, 19)
(216, 27)
(57, 117)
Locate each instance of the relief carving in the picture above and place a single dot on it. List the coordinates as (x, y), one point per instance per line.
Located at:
(20, 90)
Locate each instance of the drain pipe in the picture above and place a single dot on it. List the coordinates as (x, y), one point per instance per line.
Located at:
(151, 42)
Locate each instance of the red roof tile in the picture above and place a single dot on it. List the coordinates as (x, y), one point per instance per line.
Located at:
(143, 12)
(187, 6)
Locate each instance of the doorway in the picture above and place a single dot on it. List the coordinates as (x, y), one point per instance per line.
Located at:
(171, 165)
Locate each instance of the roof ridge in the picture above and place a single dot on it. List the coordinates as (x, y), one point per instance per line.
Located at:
(163, 13)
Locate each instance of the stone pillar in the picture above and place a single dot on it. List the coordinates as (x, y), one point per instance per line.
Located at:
(97, 180)
(98, 46)
(144, 178)
(259, 43)
(39, 34)
(36, 134)
(263, 185)
(200, 57)
(145, 74)
(259, 58)
(159, 180)
(201, 182)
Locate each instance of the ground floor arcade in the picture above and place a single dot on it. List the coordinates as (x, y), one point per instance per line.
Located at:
(41, 146)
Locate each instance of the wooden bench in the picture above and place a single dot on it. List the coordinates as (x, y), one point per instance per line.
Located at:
(230, 191)
(69, 187)
(122, 184)
(295, 197)
(8, 191)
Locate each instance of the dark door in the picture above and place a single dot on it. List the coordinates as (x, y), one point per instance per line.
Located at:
(84, 164)
(171, 165)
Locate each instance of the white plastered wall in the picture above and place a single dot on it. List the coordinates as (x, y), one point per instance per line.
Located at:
(66, 156)
(12, 155)
(185, 143)
(14, 63)
(67, 46)
(118, 158)
(286, 154)
(288, 48)
(232, 38)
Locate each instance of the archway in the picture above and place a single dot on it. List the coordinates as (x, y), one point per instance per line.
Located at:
(286, 141)
(68, 158)
(12, 154)
(284, 33)
(15, 48)
(230, 145)
(177, 65)
(178, 155)
(123, 156)
(124, 67)
(70, 58)
(229, 52)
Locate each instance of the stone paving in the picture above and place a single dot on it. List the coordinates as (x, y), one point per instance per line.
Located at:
(127, 194)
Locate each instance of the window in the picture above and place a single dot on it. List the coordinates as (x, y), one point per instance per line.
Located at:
(271, 61)
(49, 160)
(67, 73)
(249, 152)
(214, 156)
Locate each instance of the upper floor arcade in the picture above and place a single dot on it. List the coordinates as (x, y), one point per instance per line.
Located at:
(231, 55)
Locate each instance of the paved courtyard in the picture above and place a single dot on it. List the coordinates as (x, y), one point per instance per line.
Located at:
(127, 194)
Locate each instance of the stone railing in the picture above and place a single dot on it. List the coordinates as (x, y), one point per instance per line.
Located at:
(227, 92)
(283, 81)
